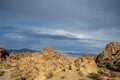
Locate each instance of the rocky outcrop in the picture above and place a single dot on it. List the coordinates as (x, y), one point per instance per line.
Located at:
(110, 57)
(49, 63)
(86, 65)
(43, 65)
(49, 54)
(3, 53)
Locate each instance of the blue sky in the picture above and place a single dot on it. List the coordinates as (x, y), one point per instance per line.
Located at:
(65, 25)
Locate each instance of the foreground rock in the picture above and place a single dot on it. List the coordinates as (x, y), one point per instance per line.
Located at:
(50, 63)
(3, 53)
(41, 66)
(110, 57)
(86, 65)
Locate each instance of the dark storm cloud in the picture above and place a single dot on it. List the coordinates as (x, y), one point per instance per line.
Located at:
(66, 23)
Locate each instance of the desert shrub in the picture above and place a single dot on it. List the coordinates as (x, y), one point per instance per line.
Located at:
(93, 75)
(63, 77)
(115, 74)
(101, 65)
(49, 75)
(116, 68)
(23, 78)
(79, 73)
(2, 73)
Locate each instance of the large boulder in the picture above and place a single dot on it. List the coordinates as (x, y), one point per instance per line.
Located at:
(110, 57)
(86, 65)
(3, 53)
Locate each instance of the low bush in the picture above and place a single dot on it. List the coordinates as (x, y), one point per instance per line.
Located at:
(2, 73)
(94, 76)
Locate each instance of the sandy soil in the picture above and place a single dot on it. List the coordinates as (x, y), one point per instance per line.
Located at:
(73, 75)
(6, 75)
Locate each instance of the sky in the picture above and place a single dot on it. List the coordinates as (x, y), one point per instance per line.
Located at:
(65, 25)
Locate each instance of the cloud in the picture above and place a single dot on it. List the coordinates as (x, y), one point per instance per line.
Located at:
(63, 34)
(66, 37)
(57, 32)
(14, 36)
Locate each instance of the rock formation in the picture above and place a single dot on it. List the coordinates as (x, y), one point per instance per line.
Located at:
(86, 65)
(43, 65)
(110, 57)
(3, 53)
(49, 63)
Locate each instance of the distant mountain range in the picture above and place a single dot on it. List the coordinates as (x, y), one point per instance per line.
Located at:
(22, 50)
(33, 51)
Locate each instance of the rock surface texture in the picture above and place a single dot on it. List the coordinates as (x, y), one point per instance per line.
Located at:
(3, 53)
(49, 63)
(110, 57)
(86, 65)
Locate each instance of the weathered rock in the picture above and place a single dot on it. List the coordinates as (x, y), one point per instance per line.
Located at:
(86, 65)
(48, 54)
(110, 57)
(3, 53)
(44, 65)
(47, 64)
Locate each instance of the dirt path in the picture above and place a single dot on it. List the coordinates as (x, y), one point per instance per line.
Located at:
(6, 75)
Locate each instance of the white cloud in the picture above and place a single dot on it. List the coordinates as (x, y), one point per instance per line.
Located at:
(14, 36)
(107, 34)
(61, 33)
